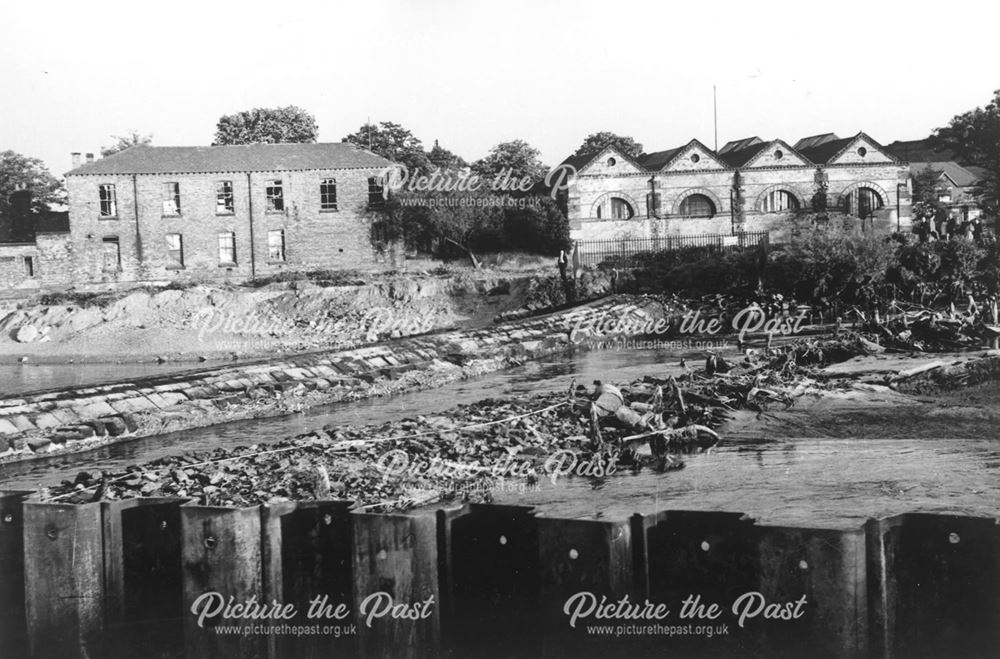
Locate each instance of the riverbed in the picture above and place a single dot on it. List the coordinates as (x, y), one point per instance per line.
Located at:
(828, 464)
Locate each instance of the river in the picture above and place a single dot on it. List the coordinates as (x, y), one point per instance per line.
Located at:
(830, 468)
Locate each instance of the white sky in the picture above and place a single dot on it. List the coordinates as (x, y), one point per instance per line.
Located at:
(472, 74)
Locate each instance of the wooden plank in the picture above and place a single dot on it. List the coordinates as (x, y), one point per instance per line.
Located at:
(307, 551)
(489, 581)
(64, 580)
(934, 586)
(13, 627)
(221, 555)
(577, 557)
(395, 562)
(142, 567)
(827, 568)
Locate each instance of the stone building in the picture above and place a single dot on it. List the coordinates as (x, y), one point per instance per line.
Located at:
(224, 212)
(748, 185)
(34, 248)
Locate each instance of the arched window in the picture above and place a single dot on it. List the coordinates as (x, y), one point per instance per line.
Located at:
(779, 201)
(863, 201)
(697, 205)
(621, 209)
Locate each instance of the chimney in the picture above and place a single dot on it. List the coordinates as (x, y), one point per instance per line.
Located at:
(76, 159)
(90, 158)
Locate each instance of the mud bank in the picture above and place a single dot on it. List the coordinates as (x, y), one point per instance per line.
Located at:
(213, 322)
(78, 419)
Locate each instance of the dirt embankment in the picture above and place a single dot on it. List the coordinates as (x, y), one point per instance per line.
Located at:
(210, 322)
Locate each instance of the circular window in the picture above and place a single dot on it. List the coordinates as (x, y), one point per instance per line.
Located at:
(862, 151)
(695, 157)
(779, 154)
(611, 162)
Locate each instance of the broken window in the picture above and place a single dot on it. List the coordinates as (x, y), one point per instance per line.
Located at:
(112, 254)
(227, 248)
(224, 198)
(778, 201)
(376, 192)
(109, 205)
(275, 197)
(328, 194)
(29, 266)
(171, 198)
(276, 245)
(175, 250)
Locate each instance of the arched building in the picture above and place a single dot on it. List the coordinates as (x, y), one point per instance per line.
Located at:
(748, 185)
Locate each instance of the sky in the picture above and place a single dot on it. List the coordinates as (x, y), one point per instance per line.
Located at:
(472, 74)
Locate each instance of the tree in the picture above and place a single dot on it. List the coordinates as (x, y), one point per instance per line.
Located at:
(925, 194)
(517, 157)
(975, 138)
(122, 142)
(392, 141)
(445, 159)
(22, 172)
(267, 126)
(597, 141)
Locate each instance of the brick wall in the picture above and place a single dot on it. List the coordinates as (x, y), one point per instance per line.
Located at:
(313, 238)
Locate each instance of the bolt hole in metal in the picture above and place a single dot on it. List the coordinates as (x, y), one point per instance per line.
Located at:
(8, 518)
(954, 538)
(211, 542)
(574, 554)
(503, 540)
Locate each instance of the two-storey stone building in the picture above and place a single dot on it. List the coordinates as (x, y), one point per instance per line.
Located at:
(748, 185)
(215, 212)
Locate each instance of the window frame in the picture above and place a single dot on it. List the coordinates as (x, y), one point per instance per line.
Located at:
(283, 255)
(325, 205)
(112, 201)
(224, 191)
(272, 201)
(111, 240)
(171, 197)
(28, 263)
(683, 206)
(230, 245)
(376, 192)
(172, 262)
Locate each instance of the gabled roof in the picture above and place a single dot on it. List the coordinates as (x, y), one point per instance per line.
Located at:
(824, 152)
(741, 156)
(739, 145)
(815, 140)
(578, 162)
(656, 160)
(778, 144)
(240, 158)
(962, 177)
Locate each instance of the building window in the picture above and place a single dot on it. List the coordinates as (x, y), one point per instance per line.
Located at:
(863, 202)
(779, 154)
(328, 194)
(109, 205)
(944, 197)
(621, 209)
(695, 157)
(276, 245)
(112, 254)
(862, 151)
(171, 198)
(227, 248)
(612, 162)
(224, 198)
(376, 192)
(599, 210)
(697, 205)
(275, 197)
(779, 201)
(29, 266)
(175, 250)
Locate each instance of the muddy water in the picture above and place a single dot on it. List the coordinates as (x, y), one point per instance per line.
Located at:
(818, 465)
(20, 378)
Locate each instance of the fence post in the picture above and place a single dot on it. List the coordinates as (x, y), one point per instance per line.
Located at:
(142, 572)
(221, 553)
(13, 629)
(395, 562)
(64, 580)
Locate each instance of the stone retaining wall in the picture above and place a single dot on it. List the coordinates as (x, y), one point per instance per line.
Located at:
(64, 420)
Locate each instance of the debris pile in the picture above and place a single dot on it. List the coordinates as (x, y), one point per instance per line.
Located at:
(922, 329)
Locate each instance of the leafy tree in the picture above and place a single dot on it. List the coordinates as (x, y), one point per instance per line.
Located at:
(597, 141)
(537, 224)
(267, 126)
(925, 194)
(122, 142)
(392, 141)
(23, 172)
(445, 159)
(517, 157)
(975, 138)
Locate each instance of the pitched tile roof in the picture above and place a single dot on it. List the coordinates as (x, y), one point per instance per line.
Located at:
(814, 141)
(825, 151)
(739, 145)
(656, 160)
(240, 158)
(741, 156)
(963, 177)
